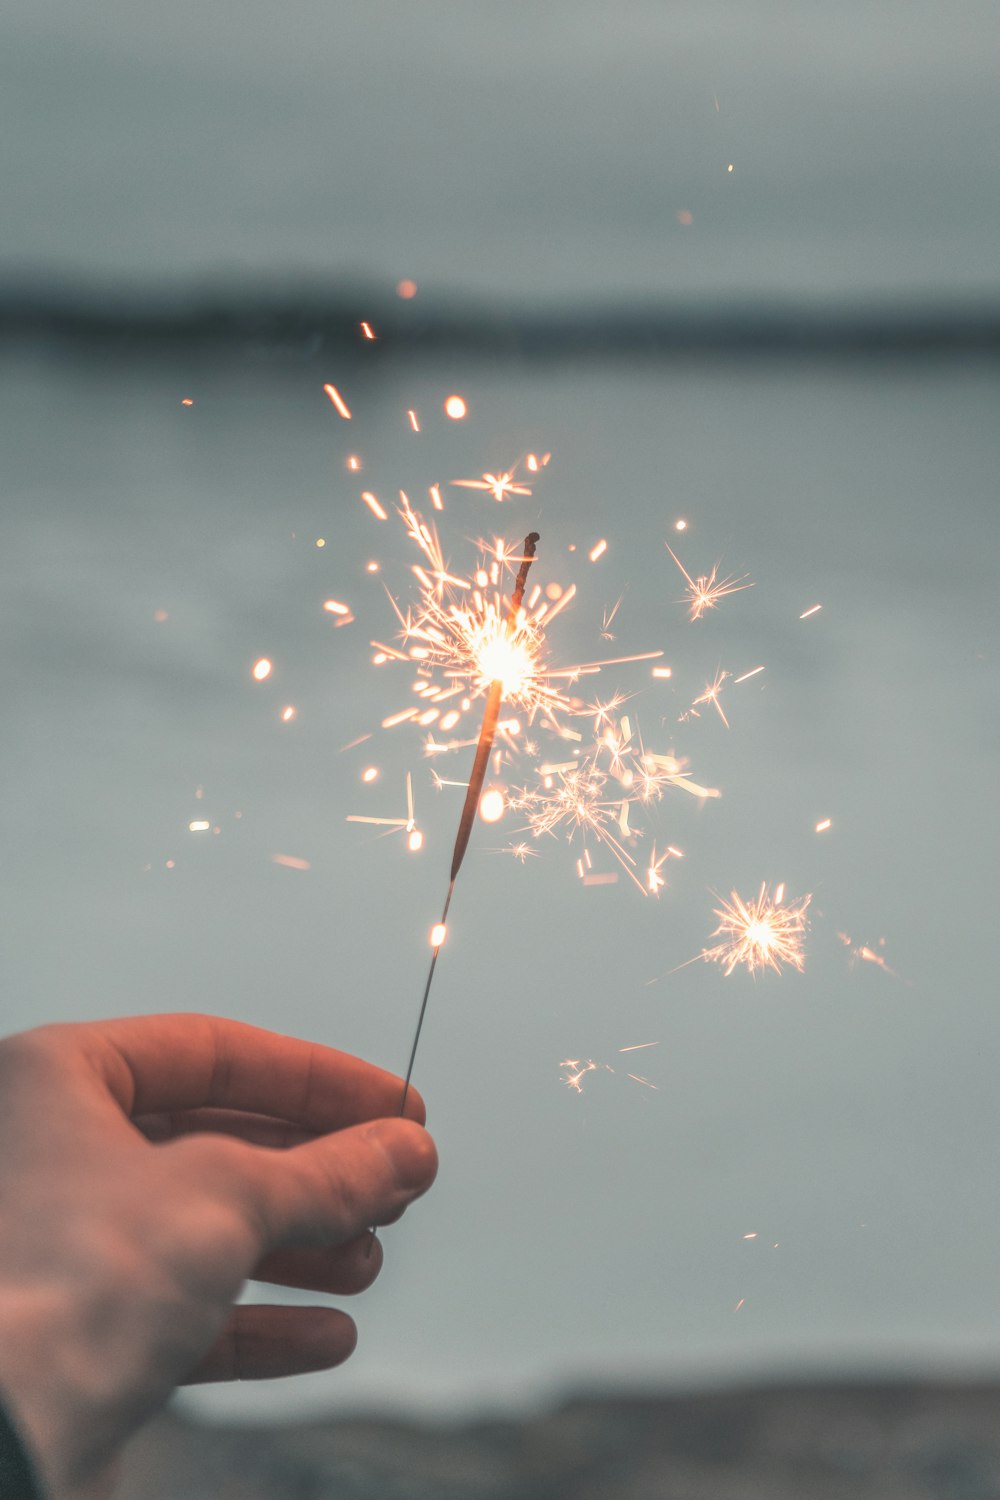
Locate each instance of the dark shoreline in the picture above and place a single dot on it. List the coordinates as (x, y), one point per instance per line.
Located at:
(306, 327)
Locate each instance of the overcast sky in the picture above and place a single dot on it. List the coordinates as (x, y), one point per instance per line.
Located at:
(533, 150)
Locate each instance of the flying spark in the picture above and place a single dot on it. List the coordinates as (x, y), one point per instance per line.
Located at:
(704, 592)
(760, 933)
(338, 401)
(500, 486)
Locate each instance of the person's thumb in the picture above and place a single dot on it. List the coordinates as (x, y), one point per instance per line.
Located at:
(329, 1190)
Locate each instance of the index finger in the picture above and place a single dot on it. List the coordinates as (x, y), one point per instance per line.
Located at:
(192, 1061)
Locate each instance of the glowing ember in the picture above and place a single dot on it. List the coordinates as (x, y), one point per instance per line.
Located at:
(492, 805)
(338, 401)
(375, 505)
(598, 550)
(370, 773)
(760, 933)
(261, 669)
(455, 408)
(199, 826)
(438, 934)
(287, 713)
(406, 289)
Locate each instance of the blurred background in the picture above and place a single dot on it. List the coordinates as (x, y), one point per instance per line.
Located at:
(735, 268)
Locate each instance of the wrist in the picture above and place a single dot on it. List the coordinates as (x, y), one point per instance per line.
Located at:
(48, 1408)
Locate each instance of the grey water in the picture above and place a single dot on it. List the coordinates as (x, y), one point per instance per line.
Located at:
(810, 1181)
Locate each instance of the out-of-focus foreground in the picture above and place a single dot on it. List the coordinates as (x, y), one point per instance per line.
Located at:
(827, 1442)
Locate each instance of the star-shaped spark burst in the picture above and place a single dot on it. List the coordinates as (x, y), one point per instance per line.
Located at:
(762, 933)
(459, 638)
(705, 591)
(500, 486)
(711, 696)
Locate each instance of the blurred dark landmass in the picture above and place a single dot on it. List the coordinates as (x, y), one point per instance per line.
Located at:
(308, 327)
(824, 1441)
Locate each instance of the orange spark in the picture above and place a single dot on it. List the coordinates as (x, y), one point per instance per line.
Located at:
(374, 505)
(598, 550)
(290, 862)
(455, 408)
(261, 669)
(338, 401)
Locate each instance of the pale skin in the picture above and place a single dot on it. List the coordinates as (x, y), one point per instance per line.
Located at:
(149, 1167)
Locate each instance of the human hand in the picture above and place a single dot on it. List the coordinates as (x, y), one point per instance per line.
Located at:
(150, 1166)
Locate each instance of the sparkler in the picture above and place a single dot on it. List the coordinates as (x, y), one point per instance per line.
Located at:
(466, 641)
(500, 665)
